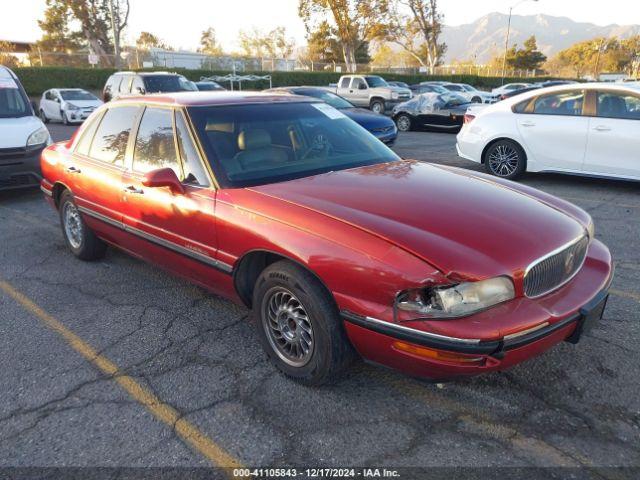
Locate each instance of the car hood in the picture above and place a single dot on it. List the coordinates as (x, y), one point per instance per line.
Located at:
(15, 131)
(367, 118)
(467, 226)
(85, 103)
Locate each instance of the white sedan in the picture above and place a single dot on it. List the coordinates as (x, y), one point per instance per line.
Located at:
(67, 105)
(588, 129)
(508, 88)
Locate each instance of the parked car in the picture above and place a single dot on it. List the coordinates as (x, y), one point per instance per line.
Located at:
(290, 208)
(140, 83)
(67, 105)
(382, 127)
(427, 87)
(520, 91)
(371, 91)
(509, 87)
(588, 129)
(472, 94)
(431, 110)
(394, 83)
(23, 136)
(209, 86)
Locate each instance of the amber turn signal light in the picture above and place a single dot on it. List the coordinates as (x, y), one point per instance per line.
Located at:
(436, 354)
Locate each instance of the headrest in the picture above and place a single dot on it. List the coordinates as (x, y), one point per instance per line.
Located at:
(219, 127)
(252, 139)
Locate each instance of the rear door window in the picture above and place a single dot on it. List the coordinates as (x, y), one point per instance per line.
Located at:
(560, 103)
(345, 82)
(84, 144)
(110, 142)
(155, 145)
(618, 105)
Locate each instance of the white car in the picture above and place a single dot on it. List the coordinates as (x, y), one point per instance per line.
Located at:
(588, 129)
(470, 93)
(22, 135)
(67, 105)
(507, 88)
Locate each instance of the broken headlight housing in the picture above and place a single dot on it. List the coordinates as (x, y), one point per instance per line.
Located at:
(455, 300)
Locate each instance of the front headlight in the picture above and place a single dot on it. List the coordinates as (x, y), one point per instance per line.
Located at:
(38, 137)
(457, 300)
(71, 106)
(591, 229)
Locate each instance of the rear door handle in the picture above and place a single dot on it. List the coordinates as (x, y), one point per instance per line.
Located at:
(133, 189)
(602, 128)
(73, 170)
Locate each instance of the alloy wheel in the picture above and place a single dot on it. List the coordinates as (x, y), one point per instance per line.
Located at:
(288, 327)
(503, 160)
(73, 225)
(404, 123)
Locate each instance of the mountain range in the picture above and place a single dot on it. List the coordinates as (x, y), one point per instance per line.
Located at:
(485, 37)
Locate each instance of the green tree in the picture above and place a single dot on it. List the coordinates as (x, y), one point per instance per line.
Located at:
(209, 43)
(272, 44)
(528, 57)
(6, 57)
(415, 25)
(147, 41)
(73, 24)
(355, 22)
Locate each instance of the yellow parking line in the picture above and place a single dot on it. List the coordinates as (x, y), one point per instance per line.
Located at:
(163, 412)
(622, 293)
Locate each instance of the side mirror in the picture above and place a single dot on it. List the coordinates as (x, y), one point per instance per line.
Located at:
(163, 177)
(140, 90)
(362, 86)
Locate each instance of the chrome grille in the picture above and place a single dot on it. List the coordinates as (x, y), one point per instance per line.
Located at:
(555, 269)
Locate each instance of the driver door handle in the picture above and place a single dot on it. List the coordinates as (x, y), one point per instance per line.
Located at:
(134, 190)
(602, 128)
(528, 124)
(73, 169)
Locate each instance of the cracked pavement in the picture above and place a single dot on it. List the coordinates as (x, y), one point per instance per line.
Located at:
(573, 406)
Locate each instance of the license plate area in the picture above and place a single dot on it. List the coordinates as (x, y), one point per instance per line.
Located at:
(590, 315)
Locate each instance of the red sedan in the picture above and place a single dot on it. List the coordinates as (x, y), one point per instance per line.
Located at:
(338, 246)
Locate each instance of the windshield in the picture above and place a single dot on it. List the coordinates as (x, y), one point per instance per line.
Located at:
(77, 95)
(12, 102)
(260, 144)
(167, 83)
(331, 98)
(375, 82)
(468, 88)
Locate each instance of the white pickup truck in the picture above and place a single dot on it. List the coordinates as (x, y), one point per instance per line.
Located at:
(371, 91)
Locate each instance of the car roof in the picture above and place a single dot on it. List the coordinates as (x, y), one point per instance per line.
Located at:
(203, 98)
(5, 72)
(144, 74)
(571, 86)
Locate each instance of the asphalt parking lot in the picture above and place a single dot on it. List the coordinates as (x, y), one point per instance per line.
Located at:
(117, 363)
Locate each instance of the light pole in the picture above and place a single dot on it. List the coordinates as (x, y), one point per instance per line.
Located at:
(506, 43)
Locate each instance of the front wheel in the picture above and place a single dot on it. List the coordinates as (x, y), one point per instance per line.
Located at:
(82, 242)
(65, 119)
(377, 106)
(299, 325)
(43, 116)
(505, 159)
(403, 122)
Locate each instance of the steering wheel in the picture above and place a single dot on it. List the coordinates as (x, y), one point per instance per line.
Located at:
(320, 146)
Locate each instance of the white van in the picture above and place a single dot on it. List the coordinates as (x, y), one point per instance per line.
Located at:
(23, 136)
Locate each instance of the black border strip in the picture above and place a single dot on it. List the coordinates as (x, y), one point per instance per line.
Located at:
(211, 262)
(421, 338)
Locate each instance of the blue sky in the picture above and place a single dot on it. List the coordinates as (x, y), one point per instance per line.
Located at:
(180, 22)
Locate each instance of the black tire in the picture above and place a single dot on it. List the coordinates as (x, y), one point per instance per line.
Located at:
(65, 120)
(43, 117)
(331, 353)
(377, 105)
(505, 159)
(404, 122)
(476, 100)
(87, 246)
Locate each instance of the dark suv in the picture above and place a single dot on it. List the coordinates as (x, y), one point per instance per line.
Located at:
(141, 83)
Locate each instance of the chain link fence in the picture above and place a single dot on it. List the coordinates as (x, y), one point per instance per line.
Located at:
(134, 58)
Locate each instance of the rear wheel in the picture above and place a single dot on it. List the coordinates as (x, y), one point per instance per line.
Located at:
(377, 106)
(505, 159)
(403, 122)
(82, 242)
(476, 100)
(299, 325)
